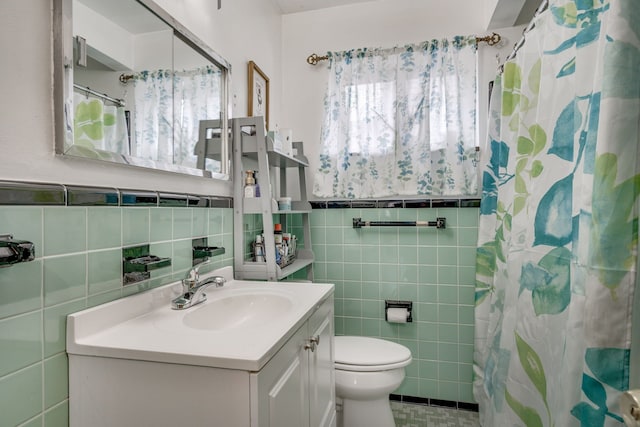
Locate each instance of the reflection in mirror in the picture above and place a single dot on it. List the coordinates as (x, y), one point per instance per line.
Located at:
(141, 86)
(169, 104)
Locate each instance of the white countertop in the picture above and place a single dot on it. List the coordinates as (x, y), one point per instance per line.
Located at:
(144, 327)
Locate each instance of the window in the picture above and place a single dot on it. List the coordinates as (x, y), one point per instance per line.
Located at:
(400, 121)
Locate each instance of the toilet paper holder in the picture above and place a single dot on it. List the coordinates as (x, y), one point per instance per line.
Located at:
(408, 305)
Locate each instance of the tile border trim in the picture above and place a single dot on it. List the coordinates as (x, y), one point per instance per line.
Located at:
(466, 406)
(14, 193)
(392, 204)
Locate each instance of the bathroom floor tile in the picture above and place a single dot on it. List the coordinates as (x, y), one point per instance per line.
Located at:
(415, 415)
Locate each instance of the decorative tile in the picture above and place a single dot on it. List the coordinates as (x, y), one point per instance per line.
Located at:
(20, 342)
(104, 297)
(55, 326)
(335, 253)
(21, 289)
(135, 226)
(104, 227)
(34, 422)
(56, 380)
(448, 294)
(21, 395)
(24, 223)
(448, 256)
(181, 223)
(200, 223)
(468, 237)
(216, 225)
(65, 230)
(182, 255)
(468, 217)
(448, 237)
(57, 416)
(447, 313)
(161, 220)
(408, 291)
(65, 278)
(19, 193)
(105, 271)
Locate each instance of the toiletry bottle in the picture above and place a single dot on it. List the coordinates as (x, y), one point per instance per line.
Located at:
(257, 188)
(249, 185)
(277, 236)
(286, 239)
(258, 249)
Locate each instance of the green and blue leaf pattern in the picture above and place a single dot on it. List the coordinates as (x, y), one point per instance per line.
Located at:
(559, 224)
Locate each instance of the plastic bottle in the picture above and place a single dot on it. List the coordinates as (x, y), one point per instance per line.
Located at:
(286, 239)
(277, 236)
(258, 249)
(277, 233)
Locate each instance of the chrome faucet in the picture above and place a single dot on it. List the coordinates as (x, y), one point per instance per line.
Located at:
(193, 288)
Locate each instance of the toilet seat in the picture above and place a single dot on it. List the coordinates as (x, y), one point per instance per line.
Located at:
(366, 354)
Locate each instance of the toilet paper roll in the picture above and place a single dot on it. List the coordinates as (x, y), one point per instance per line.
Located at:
(397, 315)
(630, 408)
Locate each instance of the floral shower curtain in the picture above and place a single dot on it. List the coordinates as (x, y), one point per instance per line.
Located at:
(168, 107)
(400, 121)
(556, 262)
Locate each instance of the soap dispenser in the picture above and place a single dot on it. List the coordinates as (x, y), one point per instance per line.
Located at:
(249, 184)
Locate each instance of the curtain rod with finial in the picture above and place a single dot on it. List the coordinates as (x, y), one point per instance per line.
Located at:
(492, 40)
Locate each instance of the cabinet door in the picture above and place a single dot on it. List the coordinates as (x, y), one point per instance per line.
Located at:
(281, 386)
(322, 402)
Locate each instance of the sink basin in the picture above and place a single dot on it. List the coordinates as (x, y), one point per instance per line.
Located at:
(245, 310)
(239, 326)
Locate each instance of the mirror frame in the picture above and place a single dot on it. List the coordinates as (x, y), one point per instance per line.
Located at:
(63, 89)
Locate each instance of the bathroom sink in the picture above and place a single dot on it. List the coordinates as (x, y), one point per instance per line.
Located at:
(239, 326)
(237, 311)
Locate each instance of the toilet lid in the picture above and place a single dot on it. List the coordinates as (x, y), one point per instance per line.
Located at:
(366, 354)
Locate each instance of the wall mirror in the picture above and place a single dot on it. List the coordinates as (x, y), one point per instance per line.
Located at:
(133, 84)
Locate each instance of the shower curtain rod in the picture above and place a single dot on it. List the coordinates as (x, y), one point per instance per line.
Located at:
(118, 102)
(516, 47)
(491, 40)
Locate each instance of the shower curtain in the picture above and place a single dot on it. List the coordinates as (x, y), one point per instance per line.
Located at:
(99, 126)
(557, 248)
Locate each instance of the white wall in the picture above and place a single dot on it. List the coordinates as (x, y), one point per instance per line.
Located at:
(242, 30)
(376, 24)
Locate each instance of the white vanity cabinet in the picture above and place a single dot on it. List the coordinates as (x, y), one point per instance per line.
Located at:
(297, 387)
(148, 371)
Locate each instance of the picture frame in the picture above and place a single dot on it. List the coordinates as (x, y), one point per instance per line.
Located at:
(258, 86)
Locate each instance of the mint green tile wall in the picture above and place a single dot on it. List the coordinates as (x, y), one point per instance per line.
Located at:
(78, 265)
(433, 268)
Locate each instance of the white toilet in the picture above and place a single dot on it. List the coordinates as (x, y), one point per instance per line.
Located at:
(367, 370)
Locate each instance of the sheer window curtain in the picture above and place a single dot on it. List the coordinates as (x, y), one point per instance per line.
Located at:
(169, 106)
(400, 121)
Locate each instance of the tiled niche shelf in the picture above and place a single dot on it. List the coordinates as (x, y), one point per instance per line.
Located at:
(13, 193)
